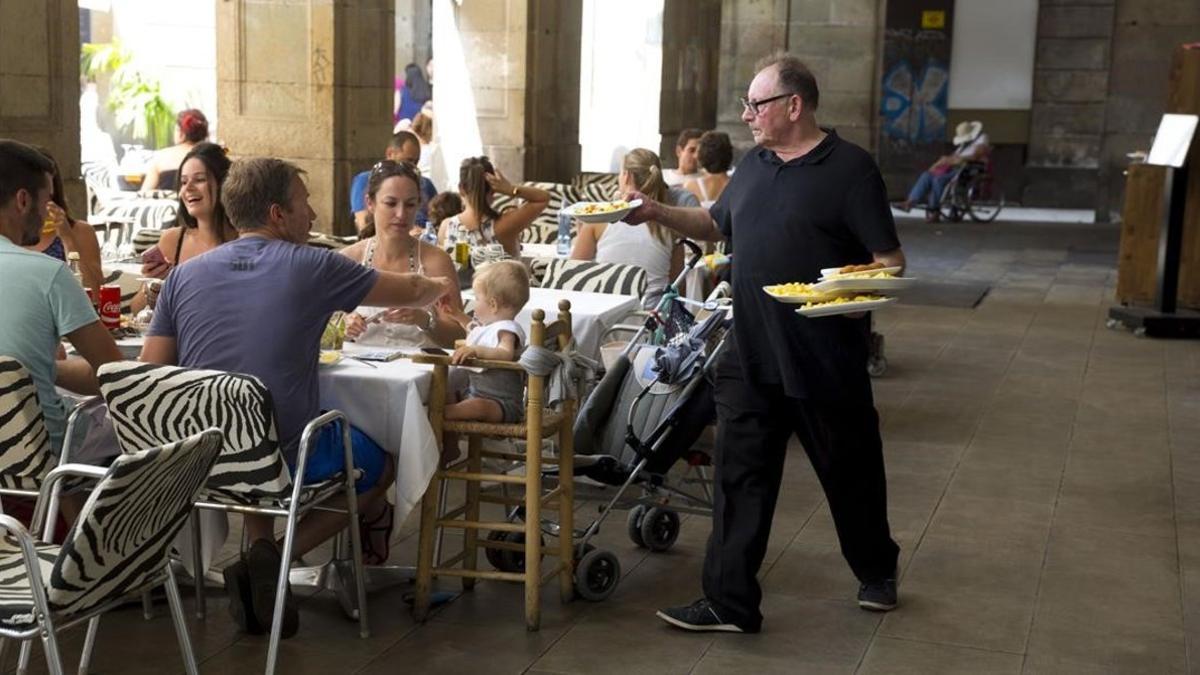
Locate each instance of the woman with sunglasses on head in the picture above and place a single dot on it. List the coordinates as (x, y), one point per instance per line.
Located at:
(393, 200)
(478, 181)
(203, 225)
(62, 234)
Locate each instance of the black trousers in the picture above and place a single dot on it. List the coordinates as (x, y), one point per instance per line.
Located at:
(754, 422)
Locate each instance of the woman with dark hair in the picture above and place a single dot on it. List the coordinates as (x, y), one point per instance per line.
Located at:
(203, 225)
(478, 181)
(393, 199)
(62, 234)
(414, 94)
(191, 128)
(715, 156)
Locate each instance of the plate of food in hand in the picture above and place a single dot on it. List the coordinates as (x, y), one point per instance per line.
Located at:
(862, 278)
(601, 212)
(796, 293)
(848, 304)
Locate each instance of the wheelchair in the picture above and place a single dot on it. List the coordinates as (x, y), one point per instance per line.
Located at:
(973, 192)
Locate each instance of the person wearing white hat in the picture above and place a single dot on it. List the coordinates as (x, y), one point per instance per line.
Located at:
(971, 145)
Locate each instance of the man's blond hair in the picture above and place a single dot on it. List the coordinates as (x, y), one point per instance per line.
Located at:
(506, 282)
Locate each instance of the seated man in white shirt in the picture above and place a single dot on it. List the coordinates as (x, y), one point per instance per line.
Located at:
(971, 145)
(686, 147)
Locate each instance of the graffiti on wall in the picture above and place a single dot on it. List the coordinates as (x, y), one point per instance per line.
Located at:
(914, 104)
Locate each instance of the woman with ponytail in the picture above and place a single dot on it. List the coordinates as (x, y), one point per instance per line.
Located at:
(478, 181)
(191, 129)
(649, 246)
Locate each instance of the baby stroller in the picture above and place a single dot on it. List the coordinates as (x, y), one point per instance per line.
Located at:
(644, 417)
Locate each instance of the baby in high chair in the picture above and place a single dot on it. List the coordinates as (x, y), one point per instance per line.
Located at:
(501, 291)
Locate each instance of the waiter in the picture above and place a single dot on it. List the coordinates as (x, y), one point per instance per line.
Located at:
(801, 200)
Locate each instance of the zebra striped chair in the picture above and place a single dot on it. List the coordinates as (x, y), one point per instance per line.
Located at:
(589, 276)
(25, 456)
(117, 548)
(151, 404)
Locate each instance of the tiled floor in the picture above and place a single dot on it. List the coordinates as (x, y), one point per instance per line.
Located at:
(1044, 477)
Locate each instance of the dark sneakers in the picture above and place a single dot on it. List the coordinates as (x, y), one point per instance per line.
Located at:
(878, 596)
(700, 616)
(262, 564)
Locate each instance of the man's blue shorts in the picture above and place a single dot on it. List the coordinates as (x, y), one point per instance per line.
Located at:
(325, 460)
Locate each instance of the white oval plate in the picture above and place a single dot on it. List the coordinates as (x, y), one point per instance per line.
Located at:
(841, 285)
(605, 217)
(844, 308)
(832, 272)
(796, 299)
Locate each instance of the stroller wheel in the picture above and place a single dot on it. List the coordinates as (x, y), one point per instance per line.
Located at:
(660, 529)
(495, 556)
(596, 575)
(877, 366)
(633, 524)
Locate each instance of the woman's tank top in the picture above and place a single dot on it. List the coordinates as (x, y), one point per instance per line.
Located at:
(635, 245)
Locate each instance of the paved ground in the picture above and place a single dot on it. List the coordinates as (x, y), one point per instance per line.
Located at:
(1044, 477)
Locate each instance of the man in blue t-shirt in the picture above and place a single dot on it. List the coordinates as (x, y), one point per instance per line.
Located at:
(404, 147)
(258, 305)
(43, 303)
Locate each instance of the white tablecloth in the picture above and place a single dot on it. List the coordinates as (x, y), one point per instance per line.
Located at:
(388, 404)
(591, 313)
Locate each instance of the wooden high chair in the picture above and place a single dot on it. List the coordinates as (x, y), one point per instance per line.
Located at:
(539, 424)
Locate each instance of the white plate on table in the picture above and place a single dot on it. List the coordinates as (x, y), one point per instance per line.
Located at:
(844, 308)
(329, 357)
(833, 273)
(843, 285)
(604, 216)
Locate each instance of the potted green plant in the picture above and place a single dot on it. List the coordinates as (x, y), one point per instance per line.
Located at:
(135, 99)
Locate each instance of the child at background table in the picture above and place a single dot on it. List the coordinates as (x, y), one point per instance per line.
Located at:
(497, 396)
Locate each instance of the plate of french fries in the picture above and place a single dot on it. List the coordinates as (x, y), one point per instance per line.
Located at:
(796, 293)
(846, 304)
(601, 212)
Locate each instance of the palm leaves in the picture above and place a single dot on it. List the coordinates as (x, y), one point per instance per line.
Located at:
(136, 100)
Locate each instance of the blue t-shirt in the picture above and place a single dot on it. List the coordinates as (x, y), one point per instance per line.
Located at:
(258, 306)
(42, 303)
(358, 196)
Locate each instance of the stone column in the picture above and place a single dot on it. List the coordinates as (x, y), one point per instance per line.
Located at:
(552, 90)
(1070, 85)
(39, 83)
(750, 30)
(690, 60)
(309, 81)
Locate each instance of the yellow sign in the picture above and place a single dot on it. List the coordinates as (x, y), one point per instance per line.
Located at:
(933, 19)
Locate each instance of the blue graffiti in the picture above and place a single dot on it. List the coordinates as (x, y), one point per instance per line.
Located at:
(914, 108)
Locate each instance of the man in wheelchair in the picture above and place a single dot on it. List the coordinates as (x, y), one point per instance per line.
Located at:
(970, 152)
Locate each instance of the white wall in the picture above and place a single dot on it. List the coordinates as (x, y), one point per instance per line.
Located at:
(620, 80)
(991, 65)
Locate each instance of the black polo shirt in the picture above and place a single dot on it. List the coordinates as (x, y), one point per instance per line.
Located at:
(787, 221)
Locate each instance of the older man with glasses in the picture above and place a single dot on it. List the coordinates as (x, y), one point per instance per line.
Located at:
(803, 199)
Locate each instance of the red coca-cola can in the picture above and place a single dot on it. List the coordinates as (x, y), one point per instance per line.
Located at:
(110, 306)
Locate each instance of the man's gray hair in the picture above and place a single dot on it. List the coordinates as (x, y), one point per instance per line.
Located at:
(252, 186)
(794, 76)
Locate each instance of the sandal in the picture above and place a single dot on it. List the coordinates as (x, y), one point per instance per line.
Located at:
(368, 532)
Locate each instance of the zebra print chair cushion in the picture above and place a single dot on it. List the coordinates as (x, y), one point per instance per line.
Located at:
(16, 595)
(153, 405)
(121, 540)
(594, 277)
(544, 229)
(144, 240)
(25, 456)
(596, 187)
(142, 213)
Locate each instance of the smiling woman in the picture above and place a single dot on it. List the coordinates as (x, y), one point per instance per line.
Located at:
(203, 223)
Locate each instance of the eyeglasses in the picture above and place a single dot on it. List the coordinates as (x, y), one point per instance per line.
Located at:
(400, 168)
(755, 107)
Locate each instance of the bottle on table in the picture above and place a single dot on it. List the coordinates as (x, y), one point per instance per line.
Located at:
(73, 264)
(564, 231)
(462, 246)
(429, 236)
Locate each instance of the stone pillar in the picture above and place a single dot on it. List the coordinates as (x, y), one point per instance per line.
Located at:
(840, 42)
(309, 81)
(690, 60)
(414, 33)
(39, 83)
(750, 30)
(1070, 85)
(492, 40)
(552, 90)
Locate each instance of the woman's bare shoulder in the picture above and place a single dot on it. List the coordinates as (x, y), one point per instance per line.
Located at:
(355, 251)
